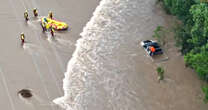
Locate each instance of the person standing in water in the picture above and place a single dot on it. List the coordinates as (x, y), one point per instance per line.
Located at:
(26, 15)
(22, 37)
(35, 12)
(52, 31)
(50, 15)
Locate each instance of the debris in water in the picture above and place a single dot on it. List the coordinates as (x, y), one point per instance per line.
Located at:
(25, 93)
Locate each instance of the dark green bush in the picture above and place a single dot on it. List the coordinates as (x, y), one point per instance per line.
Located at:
(205, 91)
(180, 8)
(159, 34)
(192, 35)
(160, 72)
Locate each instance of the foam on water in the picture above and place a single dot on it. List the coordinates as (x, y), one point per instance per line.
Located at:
(97, 74)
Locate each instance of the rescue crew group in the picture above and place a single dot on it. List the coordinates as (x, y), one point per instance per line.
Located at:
(35, 13)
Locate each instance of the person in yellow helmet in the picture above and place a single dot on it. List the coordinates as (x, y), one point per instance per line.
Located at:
(26, 15)
(35, 12)
(50, 14)
(22, 37)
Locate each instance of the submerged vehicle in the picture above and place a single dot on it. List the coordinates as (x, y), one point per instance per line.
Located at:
(48, 23)
(151, 47)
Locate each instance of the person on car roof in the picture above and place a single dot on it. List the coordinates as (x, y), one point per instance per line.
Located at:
(152, 49)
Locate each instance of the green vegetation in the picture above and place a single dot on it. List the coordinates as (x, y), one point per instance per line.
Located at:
(192, 35)
(180, 8)
(160, 72)
(205, 90)
(159, 34)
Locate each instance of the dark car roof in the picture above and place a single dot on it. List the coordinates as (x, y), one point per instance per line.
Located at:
(154, 44)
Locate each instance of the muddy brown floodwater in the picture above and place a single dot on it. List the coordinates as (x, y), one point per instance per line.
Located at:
(181, 88)
(109, 70)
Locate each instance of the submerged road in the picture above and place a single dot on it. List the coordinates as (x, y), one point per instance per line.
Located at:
(40, 64)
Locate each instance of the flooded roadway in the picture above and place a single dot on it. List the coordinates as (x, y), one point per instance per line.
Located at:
(40, 65)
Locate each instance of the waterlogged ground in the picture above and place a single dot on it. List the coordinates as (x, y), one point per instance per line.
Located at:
(110, 71)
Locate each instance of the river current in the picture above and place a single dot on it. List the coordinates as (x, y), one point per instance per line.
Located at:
(102, 73)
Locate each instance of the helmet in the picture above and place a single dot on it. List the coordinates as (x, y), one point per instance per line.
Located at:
(22, 35)
(45, 20)
(34, 9)
(50, 13)
(25, 13)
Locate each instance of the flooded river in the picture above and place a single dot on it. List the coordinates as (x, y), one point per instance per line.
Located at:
(109, 70)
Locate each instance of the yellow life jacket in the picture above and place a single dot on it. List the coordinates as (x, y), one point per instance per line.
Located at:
(22, 37)
(47, 26)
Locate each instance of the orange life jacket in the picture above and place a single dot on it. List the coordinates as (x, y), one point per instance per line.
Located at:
(152, 49)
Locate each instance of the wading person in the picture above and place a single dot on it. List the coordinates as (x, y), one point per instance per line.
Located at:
(50, 14)
(35, 12)
(43, 26)
(26, 15)
(22, 37)
(52, 32)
